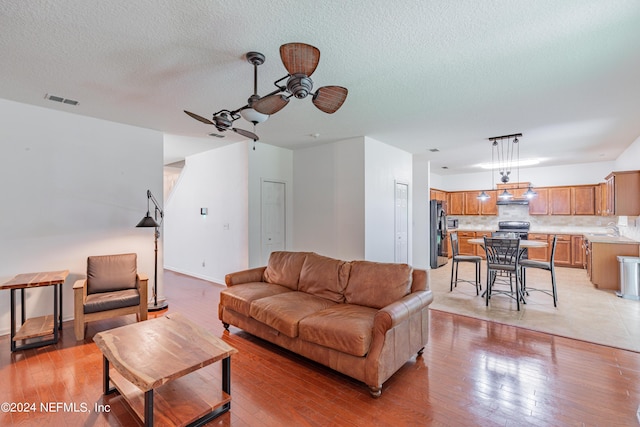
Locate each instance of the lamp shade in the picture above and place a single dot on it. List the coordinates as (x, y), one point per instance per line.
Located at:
(483, 196)
(505, 195)
(251, 115)
(148, 221)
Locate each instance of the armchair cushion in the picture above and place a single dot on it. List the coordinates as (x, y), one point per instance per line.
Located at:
(103, 301)
(107, 273)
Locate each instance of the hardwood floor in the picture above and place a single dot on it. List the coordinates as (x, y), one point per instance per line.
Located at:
(472, 373)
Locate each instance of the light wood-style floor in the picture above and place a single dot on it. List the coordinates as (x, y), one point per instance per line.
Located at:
(472, 373)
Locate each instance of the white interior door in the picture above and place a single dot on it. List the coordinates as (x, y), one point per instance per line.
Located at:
(402, 223)
(273, 221)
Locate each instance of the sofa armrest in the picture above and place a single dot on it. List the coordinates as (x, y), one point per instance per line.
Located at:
(245, 276)
(79, 284)
(399, 311)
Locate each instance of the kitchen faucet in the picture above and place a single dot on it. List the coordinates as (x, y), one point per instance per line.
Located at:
(613, 227)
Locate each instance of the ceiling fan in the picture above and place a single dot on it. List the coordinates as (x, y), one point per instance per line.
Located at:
(300, 60)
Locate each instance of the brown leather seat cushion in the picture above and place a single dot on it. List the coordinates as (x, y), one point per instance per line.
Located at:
(283, 312)
(104, 301)
(377, 284)
(324, 277)
(239, 297)
(106, 273)
(284, 268)
(344, 327)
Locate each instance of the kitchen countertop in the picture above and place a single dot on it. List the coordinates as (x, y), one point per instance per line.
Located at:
(600, 238)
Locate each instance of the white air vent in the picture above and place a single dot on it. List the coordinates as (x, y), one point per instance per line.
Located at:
(60, 99)
(216, 135)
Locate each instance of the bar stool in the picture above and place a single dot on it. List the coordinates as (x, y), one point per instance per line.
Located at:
(527, 263)
(457, 258)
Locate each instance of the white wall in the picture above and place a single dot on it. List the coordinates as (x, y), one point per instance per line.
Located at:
(384, 166)
(577, 174)
(72, 186)
(630, 158)
(329, 199)
(268, 162)
(421, 186)
(209, 246)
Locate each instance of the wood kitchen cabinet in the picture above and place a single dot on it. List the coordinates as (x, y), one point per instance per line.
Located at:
(464, 247)
(602, 262)
(455, 203)
(489, 206)
(601, 198)
(539, 205)
(568, 200)
(560, 201)
(438, 195)
(622, 193)
(475, 206)
(583, 200)
(577, 252)
(563, 250)
(539, 254)
(480, 248)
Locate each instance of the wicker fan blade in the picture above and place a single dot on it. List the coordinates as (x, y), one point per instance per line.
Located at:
(330, 98)
(246, 133)
(199, 118)
(271, 104)
(299, 58)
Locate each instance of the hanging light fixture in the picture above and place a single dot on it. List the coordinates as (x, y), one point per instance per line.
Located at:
(530, 194)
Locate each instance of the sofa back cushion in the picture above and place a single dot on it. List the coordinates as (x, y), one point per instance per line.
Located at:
(376, 284)
(106, 273)
(324, 277)
(284, 268)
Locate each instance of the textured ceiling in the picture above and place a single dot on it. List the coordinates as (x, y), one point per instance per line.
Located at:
(421, 74)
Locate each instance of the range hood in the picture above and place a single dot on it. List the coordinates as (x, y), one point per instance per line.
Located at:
(502, 202)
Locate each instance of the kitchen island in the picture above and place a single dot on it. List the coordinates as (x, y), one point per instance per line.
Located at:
(601, 252)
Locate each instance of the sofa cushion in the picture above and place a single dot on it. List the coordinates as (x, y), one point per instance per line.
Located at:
(324, 277)
(283, 312)
(344, 327)
(284, 268)
(377, 284)
(103, 301)
(106, 273)
(239, 297)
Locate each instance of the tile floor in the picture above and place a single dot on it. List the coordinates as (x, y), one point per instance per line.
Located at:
(583, 312)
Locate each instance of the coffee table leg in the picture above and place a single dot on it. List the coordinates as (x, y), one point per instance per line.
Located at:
(226, 375)
(148, 408)
(105, 377)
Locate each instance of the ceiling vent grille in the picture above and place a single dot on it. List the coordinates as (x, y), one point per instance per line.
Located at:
(61, 99)
(216, 135)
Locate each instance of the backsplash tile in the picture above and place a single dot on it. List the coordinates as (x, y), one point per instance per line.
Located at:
(542, 223)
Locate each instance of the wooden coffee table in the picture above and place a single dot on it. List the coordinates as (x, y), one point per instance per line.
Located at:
(162, 356)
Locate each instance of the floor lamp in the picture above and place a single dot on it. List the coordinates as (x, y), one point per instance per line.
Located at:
(148, 221)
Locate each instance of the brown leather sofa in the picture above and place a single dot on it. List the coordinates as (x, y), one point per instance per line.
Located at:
(363, 319)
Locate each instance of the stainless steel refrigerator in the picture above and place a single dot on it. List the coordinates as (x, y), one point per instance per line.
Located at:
(438, 233)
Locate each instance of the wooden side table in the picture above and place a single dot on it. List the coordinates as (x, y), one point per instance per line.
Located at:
(38, 326)
(161, 357)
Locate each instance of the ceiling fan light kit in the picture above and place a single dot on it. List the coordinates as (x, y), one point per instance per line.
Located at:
(300, 60)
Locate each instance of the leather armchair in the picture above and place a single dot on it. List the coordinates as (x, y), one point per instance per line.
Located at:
(112, 288)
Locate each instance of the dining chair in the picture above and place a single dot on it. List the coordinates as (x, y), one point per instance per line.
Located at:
(457, 259)
(543, 265)
(503, 256)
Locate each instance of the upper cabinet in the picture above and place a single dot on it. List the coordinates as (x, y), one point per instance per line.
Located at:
(438, 195)
(455, 203)
(475, 206)
(583, 200)
(539, 205)
(622, 193)
(574, 200)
